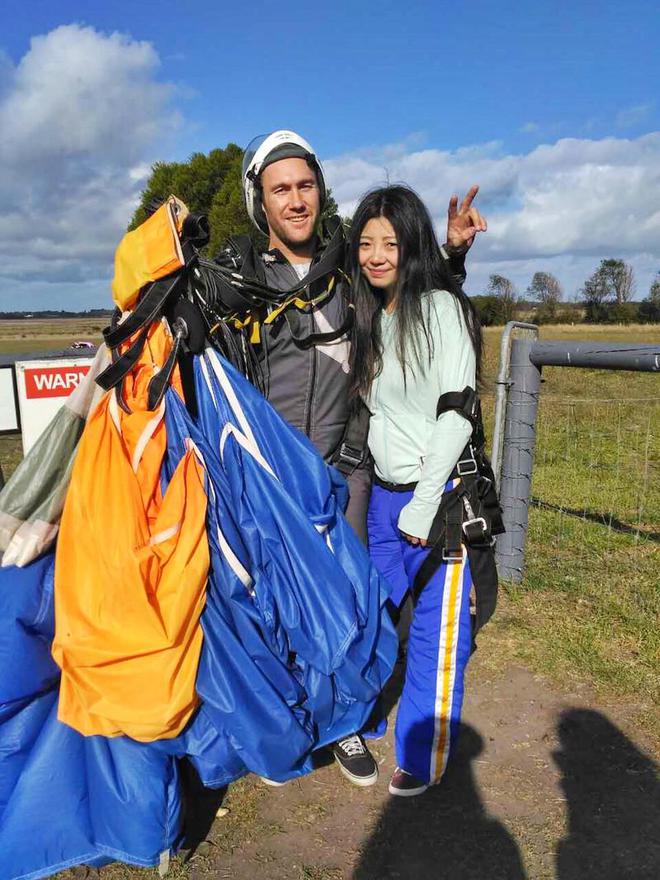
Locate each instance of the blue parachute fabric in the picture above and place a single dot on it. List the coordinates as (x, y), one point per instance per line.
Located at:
(320, 601)
(66, 799)
(251, 697)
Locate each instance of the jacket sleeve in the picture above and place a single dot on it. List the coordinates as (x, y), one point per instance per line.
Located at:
(359, 488)
(455, 263)
(454, 367)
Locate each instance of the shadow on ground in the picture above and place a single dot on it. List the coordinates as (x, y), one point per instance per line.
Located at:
(613, 798)
(612, 793)
(445, 833)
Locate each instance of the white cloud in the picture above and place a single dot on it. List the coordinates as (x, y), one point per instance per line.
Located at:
(566, 204)
(632, 116)
(81, 116)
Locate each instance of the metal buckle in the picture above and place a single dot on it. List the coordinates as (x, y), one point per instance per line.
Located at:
(456, 556)
(477, 519)
(350, 455)
(489, 540)
(472, 465)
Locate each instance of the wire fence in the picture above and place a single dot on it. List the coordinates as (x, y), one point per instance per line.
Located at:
(596, 461)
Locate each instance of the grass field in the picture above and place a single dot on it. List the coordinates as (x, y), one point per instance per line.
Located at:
(589, 605)
(586, 614)
(31, 334)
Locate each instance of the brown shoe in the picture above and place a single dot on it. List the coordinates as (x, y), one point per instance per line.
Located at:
(404, 784)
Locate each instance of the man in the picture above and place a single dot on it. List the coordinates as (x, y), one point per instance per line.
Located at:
(304, 348)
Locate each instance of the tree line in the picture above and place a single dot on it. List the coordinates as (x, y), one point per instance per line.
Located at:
(211, 184)
(605, 298)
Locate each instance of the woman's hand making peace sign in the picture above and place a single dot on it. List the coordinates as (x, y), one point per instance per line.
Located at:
(464, 223)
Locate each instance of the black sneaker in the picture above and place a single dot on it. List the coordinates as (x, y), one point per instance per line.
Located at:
(355, 760)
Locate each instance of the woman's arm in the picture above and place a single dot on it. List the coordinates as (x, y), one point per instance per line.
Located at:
(454, 366)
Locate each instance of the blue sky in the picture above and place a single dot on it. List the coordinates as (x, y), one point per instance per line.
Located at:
(551, 105)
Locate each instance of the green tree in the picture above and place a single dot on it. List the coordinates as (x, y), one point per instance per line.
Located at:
(654, 292)
(620, 278)
(195, 182)
(330, 209)
(228, 214)
(489, 309)
(546, 290)
(649, 308)
(504, 289)
(613, 281)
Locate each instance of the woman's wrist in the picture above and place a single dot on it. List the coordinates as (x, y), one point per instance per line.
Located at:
(416, 517)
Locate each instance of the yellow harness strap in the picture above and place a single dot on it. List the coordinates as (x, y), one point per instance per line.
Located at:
(299, 303)
(296, 301)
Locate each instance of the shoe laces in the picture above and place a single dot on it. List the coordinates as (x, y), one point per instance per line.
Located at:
(352, 745)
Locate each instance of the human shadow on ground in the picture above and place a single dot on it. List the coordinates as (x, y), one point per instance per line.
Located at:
(445, 832)
(613, 800)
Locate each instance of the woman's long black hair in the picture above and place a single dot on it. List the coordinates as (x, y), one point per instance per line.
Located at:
(421, 268)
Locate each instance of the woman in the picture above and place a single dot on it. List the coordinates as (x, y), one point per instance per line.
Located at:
(416, 336)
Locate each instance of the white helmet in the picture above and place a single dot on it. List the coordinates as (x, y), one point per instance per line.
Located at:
(263, 151)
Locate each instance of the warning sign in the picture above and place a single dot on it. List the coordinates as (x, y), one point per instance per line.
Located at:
(57, 381)
(42, 388)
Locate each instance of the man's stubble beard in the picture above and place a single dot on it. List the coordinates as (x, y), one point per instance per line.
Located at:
(291, 243)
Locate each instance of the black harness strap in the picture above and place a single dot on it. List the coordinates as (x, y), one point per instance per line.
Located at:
(151, 305)
(353, 447)
(448, 544)
(246, 260)
(465, 402)
(468, 515)
(311, 339)
(119, 368)
(158, 385)
(250, 275)
(147, 310)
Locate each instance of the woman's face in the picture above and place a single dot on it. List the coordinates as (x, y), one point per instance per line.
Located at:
(379, 253)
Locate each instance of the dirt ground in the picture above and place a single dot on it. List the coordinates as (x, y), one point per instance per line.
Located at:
(544, 784)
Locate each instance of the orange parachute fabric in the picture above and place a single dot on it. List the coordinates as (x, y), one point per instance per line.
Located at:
(130, 570)
(149, 252)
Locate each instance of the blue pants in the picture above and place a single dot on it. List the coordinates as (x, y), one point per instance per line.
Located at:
(439, 644)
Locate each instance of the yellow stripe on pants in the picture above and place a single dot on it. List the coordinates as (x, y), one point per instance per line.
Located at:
(447, 667)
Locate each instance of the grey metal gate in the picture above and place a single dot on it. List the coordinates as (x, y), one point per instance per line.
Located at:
(519, 384)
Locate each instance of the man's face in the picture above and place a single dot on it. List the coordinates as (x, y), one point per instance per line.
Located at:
(291, 201)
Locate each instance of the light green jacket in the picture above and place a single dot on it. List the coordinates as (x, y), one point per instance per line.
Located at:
(406, 440)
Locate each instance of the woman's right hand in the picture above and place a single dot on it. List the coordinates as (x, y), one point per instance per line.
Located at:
(463, 223)
(411, 539)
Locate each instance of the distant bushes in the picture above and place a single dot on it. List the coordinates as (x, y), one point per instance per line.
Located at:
(490, 308)
(649, 312)
(605, 298)
(492, 313)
